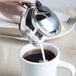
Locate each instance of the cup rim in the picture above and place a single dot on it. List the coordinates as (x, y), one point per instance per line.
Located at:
(34, 63)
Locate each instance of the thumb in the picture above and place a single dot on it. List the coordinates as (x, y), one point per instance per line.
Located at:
(31, 1)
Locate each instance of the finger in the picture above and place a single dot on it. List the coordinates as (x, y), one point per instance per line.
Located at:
(11, 10)
(31, 1)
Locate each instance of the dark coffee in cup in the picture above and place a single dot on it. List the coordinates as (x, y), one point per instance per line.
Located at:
(35, 55)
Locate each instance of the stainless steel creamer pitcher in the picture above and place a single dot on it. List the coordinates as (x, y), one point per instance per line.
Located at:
(37, 20)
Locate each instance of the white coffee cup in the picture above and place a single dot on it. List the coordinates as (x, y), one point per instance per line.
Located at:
(49, 68)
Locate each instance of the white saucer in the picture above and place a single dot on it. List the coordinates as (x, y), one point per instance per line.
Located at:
(65, 27)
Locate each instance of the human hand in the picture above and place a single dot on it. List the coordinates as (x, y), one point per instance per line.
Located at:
(31, 1)
(12, 10)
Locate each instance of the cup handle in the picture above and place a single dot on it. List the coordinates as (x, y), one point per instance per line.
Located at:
(68, 66)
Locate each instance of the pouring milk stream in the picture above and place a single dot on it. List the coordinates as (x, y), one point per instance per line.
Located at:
(37, 22)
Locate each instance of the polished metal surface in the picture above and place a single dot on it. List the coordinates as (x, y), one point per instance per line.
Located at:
(12, 29)
(39, 19)
(49, 26)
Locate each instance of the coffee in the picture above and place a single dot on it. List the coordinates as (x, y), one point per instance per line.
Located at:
(35, 55)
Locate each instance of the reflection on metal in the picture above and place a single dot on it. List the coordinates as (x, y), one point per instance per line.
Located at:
(67, 24)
